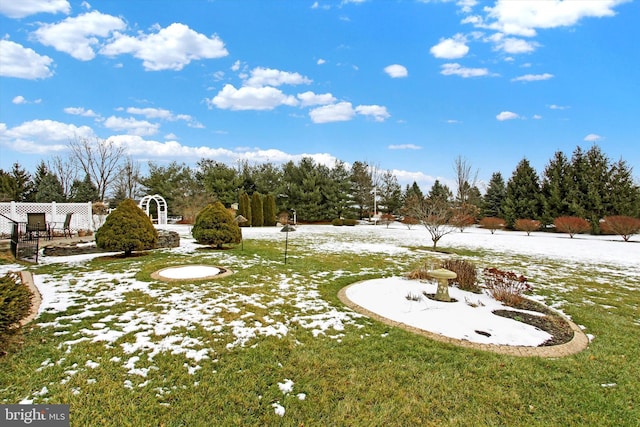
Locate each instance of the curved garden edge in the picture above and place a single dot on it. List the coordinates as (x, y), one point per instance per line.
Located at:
(579, 342)
(224, 272)
(27, 280)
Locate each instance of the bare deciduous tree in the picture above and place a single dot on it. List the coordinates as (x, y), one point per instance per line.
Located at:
(99, 158)
(434, 215)
(127, 180)
(67, 172)
(466, 179)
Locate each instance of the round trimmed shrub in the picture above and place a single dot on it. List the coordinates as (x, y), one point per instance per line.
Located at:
(337, 222)
(215, 226)
(127, 229)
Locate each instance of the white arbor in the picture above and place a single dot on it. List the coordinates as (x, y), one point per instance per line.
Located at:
(160, 202)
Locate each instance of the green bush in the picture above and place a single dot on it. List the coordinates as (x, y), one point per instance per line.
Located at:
(15, 303)
(337, 222)
(215, 226)
(257, 219)
(467, 272)
(269, 210)
(127, 229)
(349, 222)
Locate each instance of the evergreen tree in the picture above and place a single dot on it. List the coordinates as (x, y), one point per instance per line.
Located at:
(269, 210)
(390, 193)
(244, 209)
(362, 188)
(414, 192)
(556, 188)
(215, 226)
(624, 194)
(304, 185)
(16, 185)
(257, 219)
(522, 198)
(220, 180)
(127, 229)
(84, 191)
(598, 178)
(439, 193)
(336, 192)
(494, 197)
(49, 189)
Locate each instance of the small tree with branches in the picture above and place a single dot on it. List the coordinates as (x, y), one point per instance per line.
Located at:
(623, 226)
(492, 223)
(572, 225)
(527, 225)
(435, 215)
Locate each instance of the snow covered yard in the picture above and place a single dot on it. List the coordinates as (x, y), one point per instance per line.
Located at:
(107, 323)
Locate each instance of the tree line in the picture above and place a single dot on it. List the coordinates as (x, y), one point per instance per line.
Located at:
(587, 185)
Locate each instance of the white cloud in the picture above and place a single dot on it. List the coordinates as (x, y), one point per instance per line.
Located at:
(537, 117)
(455, 69)
(131, 126)
(451, 48)
(251, 98)
(170, 150)
(171, 48)
(593, 137)
(524, 17)
(404, 147)
(42, 136)
(340, 112)
(396, 71)
(453, 121)
(236, 66)
(22, 8)
(532, 77)
(77, 36)
(507, 115)
(558, 107)
(512, 45)
(161, 113)
(80, 111)
(377, 112)
(309, 98)
(321, 61)
(23, 63)
(271, 77)
(19, 100)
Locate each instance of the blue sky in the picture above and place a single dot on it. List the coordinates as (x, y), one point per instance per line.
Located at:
(405, 85)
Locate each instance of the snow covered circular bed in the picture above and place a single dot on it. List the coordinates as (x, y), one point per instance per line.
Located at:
(185, 272)
(469, 321)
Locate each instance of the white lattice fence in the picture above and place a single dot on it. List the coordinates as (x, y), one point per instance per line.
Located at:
(55, 214)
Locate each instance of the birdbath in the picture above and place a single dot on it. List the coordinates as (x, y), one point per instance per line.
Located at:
(442, 275)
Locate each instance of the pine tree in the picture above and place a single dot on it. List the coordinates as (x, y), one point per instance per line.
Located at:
(257, 219)
(624, 194)
(556, 188)
(440, 193)
(390, 193)
(244, 209)
(522, 198)
(49, 189)
(84, 191)
(494, 197)
(269, 210)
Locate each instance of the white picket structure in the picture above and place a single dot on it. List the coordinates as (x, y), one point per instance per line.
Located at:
(55, 214)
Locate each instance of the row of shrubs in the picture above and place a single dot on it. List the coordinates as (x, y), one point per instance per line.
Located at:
(504, 286)
(340, 222)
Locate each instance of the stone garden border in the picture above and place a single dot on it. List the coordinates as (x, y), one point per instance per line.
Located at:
(579, 342)
(224, 272)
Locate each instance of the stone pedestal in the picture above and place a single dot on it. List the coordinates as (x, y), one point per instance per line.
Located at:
(442, 275)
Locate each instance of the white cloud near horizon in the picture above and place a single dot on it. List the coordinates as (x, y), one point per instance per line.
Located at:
(451, 48)
(507, 115)
(455, 69)
(21, 8)
(78, 35)
(533, 77)
(171, 48)
(512, 45)
(80, 111)
(22, 62)
(396, 71)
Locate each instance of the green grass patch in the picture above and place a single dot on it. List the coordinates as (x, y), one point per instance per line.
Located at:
(215, 355)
